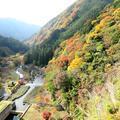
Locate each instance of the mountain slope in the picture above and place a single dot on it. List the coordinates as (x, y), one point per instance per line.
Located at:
(84, 74)
(59, 22)
(70, 20)
(17, 29)
(10, 46)
(76, 18)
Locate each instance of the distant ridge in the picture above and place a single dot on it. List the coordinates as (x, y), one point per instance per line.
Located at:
(19, 30)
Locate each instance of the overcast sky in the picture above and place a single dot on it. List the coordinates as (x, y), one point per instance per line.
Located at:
(33, 11)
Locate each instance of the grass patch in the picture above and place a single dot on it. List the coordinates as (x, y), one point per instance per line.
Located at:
(21, 91)
(14, 76)
(34, 112)
(33, 94)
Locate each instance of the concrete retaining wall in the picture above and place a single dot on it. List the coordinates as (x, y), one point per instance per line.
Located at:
(4, 114)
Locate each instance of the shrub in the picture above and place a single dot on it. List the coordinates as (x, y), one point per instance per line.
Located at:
(46, 115)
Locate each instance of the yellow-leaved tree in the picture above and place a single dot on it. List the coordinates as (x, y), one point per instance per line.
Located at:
(76, 63)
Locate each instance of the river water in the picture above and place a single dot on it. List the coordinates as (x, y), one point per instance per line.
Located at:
(20, 105)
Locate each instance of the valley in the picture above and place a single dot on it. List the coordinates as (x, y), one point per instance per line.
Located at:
(19, 90)
(69, 70)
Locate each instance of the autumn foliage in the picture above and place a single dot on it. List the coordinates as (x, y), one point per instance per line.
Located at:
(46, 115)
(80, 62)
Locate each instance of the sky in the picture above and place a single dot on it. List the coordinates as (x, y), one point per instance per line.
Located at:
(37, 12)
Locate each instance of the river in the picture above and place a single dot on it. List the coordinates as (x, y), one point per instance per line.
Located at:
(20, 105)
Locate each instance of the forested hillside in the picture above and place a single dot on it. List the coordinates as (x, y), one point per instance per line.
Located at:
(84, 74)
(76, 18)
(10, 46)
